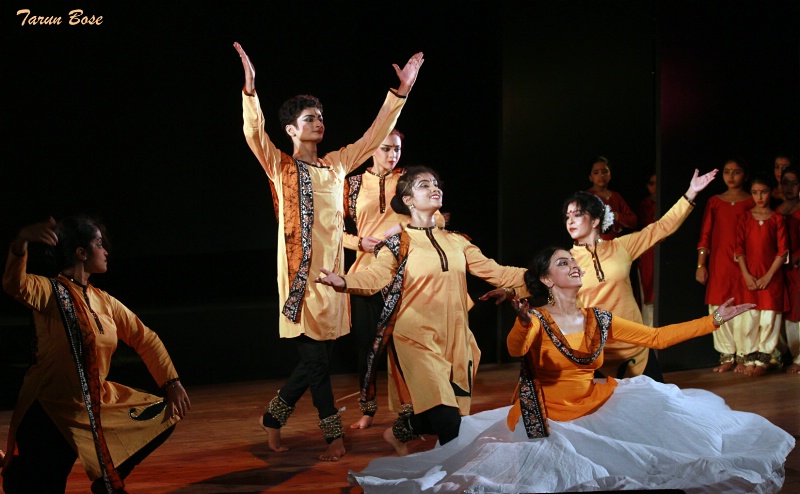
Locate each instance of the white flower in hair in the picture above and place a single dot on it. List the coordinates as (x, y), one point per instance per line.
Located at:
(608, 219)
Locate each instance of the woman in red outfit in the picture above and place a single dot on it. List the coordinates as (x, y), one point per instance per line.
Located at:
(790, 209)
(762, 247)
(716, 268)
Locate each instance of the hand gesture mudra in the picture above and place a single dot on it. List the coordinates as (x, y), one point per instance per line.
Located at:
(726, 311)
(249, 70)
(408, 74)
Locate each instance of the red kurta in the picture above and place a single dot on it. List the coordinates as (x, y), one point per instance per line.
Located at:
(718, 236)
(792, 273)
(760, 242)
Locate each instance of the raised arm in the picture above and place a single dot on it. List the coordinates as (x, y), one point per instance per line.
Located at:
(699, 182)
(262, 147)
(408, 74)
(249, 71)
(638, 243)
(32, 291)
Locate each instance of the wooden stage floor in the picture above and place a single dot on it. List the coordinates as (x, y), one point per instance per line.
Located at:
(220, 448)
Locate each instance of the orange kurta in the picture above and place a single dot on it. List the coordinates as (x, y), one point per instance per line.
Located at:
(569, 388)
(615, 294)
(325, 314)
(53, 379)
(435, 348)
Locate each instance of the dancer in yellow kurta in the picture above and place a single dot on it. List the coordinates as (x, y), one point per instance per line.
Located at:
(608, 263)
(66, 407)
(367, 201)
(308, 193)
(433, 356)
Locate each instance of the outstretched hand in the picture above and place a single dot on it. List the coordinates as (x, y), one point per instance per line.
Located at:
(331, 279)
(498, 294)
(408, 74)
(249, 70)
(728, 311)
(699, 182)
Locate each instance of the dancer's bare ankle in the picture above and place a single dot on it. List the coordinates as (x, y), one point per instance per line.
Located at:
(400, 448)
(334, 452)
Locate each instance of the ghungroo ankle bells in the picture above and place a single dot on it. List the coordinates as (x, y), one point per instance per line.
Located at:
(402, 426)
(332, 427)
(368, 407)
(279, 410)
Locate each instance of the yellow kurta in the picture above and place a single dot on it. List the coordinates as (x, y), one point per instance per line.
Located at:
(569, 388)
(615, 294)
(53, 379)
(325, 314)
(435, 348)
(370, 222)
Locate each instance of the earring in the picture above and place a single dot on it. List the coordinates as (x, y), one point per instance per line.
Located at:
(550, 299)
(411, 207)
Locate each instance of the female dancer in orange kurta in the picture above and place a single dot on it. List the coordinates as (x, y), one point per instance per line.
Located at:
(66, 407)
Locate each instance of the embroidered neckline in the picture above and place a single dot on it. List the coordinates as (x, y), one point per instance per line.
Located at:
(315, 165)
(70, 278)
(378, 175)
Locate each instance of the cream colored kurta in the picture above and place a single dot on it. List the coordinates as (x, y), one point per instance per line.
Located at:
(370, 222)
(53, 379)
(615, 294)
(435, 348)
(325, 314)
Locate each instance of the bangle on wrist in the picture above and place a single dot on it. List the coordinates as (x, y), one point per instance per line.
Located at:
(718, 319)
(699, 265)
(172, 383)
(691, 202)
(359, 243)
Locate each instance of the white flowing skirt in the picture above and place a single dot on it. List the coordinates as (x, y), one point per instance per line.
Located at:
(647, 436)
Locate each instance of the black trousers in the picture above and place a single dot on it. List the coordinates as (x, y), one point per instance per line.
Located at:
(365, 311)
(442, 420)
(312, 373)
(45, 458)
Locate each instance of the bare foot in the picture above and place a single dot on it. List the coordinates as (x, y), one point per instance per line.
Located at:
(758, 370)
(725, 367)
(740, 368)
(793, 369)
(363, 423)
(400, 448)
(273, 437)
(334, 452)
